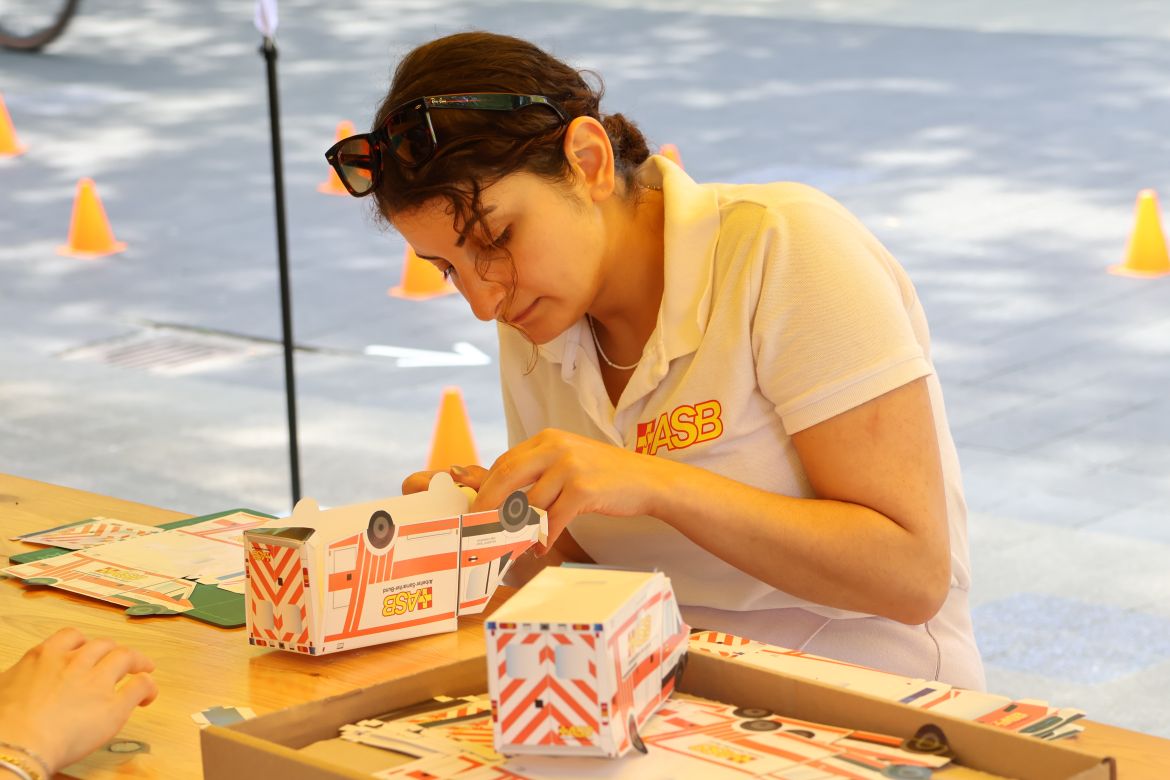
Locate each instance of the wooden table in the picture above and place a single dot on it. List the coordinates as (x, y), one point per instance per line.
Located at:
(201, 666)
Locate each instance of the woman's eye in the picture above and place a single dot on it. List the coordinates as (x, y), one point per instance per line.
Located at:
(447, 272)
(503, 237)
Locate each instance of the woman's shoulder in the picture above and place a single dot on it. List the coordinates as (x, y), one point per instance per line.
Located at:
(786, 201)
(789, 211)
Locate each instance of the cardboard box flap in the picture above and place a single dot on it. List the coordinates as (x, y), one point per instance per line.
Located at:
(573, 595)
(280, 534)
(312, 721)
(267, 746)
(973, 744)
(233, 755)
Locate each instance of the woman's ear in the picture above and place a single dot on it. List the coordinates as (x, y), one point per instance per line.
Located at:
(590, 153)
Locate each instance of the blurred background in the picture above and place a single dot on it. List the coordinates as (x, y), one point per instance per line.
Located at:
(997, 149)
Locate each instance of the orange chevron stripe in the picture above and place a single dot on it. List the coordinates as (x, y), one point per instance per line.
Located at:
(566, 697)
(525, 703)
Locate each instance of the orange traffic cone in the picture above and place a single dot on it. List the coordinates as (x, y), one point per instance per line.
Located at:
(90, 235)
(420, 279)
(452, 444)
(1146, 254)
(333, 185)
(670, 152)
(10, 145)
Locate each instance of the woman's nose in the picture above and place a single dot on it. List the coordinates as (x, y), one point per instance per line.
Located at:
(485, 297)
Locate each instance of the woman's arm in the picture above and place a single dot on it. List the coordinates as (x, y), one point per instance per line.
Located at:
(874, 540)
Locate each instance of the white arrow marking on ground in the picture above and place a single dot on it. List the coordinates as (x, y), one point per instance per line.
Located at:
(463, 354)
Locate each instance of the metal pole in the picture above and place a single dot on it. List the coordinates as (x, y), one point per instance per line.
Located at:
(268, 49)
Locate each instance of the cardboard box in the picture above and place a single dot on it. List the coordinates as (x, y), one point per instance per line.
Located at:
(328, 580)
(275, 745)
(581, 658)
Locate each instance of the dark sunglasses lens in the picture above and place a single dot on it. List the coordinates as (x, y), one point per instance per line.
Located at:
(357, 164)
(410, 137)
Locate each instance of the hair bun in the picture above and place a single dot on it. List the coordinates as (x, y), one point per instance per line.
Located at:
(629, 145)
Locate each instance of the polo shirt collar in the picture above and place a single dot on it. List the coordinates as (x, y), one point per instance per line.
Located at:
(691, 235)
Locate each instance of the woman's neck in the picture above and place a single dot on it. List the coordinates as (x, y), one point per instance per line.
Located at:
(626, 307)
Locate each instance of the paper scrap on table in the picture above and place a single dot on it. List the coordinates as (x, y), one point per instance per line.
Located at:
(222, 715)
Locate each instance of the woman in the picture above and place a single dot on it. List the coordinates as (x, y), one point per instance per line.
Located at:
(731, 384)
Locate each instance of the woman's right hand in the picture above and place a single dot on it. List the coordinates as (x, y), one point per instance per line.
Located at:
(471, 476)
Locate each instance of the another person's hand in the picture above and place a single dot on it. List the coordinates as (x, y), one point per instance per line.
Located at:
(69, 695)
(571, 475)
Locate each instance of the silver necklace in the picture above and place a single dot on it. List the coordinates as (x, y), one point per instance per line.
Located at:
(593, 330)
(601, 351)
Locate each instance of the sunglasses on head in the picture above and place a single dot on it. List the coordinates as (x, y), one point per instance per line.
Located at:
(410, 137)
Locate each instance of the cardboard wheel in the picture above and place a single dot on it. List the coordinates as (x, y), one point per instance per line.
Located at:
(140, 610)
(753, 713)
(759, 725)
(635, 738)
(514, 511)
(380, 531)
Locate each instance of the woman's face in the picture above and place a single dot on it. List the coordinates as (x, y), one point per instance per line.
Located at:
(555, 237)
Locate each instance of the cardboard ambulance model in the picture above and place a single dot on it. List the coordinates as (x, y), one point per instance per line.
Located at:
(580, 658)
(378, 572)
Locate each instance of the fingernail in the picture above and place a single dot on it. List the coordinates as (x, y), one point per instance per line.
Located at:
(458, 471)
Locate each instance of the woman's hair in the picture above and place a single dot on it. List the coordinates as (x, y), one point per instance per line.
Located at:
(477, 148)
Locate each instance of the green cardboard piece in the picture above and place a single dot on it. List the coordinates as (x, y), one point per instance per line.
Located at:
(212, 604)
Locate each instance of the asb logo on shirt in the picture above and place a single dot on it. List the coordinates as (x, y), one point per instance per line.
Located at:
(681, 428)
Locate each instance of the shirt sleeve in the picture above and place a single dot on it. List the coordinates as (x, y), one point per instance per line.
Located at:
(834, 321)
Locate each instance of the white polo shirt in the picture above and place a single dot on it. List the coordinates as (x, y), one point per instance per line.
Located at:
(779, 311)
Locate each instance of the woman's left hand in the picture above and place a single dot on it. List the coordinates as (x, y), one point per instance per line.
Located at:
(573, 475)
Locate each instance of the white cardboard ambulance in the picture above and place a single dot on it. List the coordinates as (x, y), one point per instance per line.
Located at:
(580, 658)
(364, 574)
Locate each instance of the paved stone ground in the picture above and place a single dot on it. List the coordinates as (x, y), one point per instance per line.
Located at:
(996, 150)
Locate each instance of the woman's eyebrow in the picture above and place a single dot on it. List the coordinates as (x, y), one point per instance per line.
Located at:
(470, 225)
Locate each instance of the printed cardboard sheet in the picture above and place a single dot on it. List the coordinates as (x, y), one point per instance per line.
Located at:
(194, 566)
(89, 533)
(688, 737)
(1035, 718)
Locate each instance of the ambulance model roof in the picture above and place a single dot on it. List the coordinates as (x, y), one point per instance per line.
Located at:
(572, 594)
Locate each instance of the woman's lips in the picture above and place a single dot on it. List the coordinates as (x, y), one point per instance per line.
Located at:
(519, 318)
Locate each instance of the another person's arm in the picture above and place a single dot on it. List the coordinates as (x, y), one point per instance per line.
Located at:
(66, 697)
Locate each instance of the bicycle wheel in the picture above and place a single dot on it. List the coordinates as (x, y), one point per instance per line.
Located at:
(29, 25)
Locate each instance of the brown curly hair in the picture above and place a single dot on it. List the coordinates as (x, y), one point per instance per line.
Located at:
(478, 148)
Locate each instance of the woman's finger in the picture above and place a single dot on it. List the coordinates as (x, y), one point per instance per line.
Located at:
(88, 655)
(471, 476)
(63, 641)
(511, 471)
(546, 494)
(120, 662)
(417, 482)
(139, 690)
